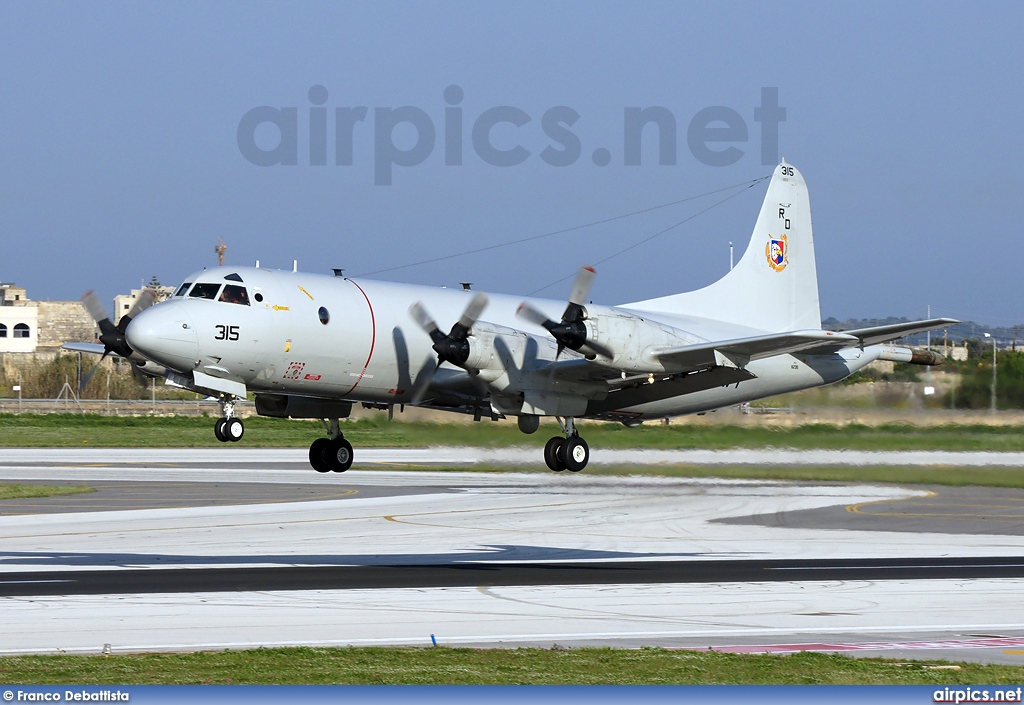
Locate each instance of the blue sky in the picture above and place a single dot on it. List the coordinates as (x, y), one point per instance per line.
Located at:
(120, 157)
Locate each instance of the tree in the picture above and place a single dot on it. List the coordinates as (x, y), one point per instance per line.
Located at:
(975, 388)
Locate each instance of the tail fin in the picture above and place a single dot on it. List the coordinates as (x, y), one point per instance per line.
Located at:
(774, 287)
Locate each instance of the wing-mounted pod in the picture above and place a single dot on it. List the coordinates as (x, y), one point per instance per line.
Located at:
(914, 356)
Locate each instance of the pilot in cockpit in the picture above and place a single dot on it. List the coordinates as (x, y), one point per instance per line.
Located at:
(235, 295)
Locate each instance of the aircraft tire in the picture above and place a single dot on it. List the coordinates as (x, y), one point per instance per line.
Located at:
(318, 452)
(218, 430)
(339, 455)
(233, 430)
(574, 454)
(552, 453)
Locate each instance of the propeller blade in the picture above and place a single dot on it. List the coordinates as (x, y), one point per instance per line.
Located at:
(473, 310)
(146, 299)
(423, 319)
(113, 336)
(534, 316)
(94, 307)
(571, 332)
(423, 380)
(453, 347)
(581, 287)
(84, 382)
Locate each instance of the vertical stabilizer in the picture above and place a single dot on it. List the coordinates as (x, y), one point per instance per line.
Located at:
(774, 287)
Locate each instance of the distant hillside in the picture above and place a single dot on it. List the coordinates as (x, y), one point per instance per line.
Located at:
(957, 333)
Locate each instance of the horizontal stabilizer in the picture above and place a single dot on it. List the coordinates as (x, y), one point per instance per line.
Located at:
(880, 334)
(739, 351)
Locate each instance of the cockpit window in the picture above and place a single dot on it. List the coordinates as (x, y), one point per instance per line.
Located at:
(204, 291)
(183, 288)
(233, 278)
(234, 294)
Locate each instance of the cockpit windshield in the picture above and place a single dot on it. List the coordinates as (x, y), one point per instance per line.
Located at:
(235, 294)
(204, 291)
(182, 289)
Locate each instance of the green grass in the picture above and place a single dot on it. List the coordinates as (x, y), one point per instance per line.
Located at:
(74, 430)
(415, 666)
(34, 491)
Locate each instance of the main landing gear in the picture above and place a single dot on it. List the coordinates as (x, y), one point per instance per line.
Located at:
(229, 427)
(570, 453)
(332, 454)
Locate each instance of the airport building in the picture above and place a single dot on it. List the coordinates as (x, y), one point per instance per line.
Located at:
(123, 302)
(19, 323)
(28, 326)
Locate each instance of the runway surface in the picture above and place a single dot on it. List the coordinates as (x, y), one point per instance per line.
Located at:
(185, 549)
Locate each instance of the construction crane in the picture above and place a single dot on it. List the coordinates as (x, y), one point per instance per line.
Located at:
(220, 249)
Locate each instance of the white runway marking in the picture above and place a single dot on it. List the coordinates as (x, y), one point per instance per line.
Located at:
(490, 517)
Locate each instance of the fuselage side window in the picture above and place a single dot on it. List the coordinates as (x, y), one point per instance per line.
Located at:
(235, 294)
(204, 291)
(182, 289)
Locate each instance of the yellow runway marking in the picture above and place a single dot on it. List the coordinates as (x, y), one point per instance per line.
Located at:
(948, 510)
(490, 510)
(855, 508)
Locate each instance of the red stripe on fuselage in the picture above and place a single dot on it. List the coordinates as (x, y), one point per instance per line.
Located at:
(373, 338)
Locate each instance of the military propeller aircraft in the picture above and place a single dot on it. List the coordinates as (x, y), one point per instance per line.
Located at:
(311, 346)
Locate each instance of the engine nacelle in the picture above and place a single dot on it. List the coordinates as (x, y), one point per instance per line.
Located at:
(629, 337)
(494, 348)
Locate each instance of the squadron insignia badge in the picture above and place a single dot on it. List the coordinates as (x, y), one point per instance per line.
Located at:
(777, 252)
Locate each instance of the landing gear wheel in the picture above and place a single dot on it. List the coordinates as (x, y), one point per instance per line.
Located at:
(233, 430)
(574, 454)
(339, 455)
(218, 430)
(552, 454)
(318, 451)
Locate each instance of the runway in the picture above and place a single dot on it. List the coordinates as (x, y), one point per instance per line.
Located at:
(187, 549)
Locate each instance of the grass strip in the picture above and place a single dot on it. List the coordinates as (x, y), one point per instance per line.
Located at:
(36, 491)
(83, 430)
(450, 666)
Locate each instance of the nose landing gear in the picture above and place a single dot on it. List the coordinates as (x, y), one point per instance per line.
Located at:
(332, 454)
(229, 427)
(570, 453)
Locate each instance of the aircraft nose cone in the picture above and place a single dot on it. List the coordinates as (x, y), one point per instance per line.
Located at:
(164, 333)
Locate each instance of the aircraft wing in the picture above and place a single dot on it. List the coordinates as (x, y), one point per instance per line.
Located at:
(739, 351)
(880, 334)
(94, 348)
